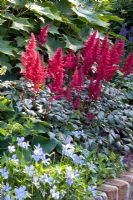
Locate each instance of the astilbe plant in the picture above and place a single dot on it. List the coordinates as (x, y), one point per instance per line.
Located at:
(35, 69)
(68, 74)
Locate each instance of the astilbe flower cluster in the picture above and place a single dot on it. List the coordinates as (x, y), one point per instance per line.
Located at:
(35, 69)
(67, 74)
(56, 72)
(41, 38)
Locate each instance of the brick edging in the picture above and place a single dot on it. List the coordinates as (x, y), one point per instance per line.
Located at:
(120, 188)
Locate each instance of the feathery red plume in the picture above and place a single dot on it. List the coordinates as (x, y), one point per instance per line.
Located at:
(56, 71)
(128, 67)
(42, 35)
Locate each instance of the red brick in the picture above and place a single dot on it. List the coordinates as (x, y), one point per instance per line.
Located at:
(111, 191)
(129, 178)
(123, 188)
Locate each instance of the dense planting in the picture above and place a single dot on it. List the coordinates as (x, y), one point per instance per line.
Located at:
(66, 97)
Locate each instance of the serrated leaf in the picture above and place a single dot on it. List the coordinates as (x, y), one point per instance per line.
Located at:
(6, 48)
(89, 16)
(41, 10)
(21, 24)
(52, 45)
(53, 30)
(19, 3)
(72, 43)
(54, 10)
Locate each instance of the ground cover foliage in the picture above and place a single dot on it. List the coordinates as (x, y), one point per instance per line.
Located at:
(72, 104)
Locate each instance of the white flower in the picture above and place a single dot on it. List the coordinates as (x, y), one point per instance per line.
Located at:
(11, 149)
(20, 140)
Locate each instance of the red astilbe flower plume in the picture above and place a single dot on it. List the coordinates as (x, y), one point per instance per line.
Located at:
(120, 47)
(35, 69)
(42, 35)
(56, 72)
(128, 67)
(28, 58)
(88, 53)
(77, 80)
(70, 61)
(115, 55)
(76, 85)
(97, 50)
(94, 89)
(104, 62)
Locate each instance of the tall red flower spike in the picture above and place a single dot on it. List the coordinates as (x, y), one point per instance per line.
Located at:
(94, 89)
(34, 67)
(70, 61)
(88, 52)
(42, 35)
(28, 58)
(120, 47)
(128, 67)
(56, 72)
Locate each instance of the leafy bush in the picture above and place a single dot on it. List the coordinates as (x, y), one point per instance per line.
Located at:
(69, 24)
(39, 175)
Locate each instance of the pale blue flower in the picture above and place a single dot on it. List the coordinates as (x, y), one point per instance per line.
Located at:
(122, 159)
(20, 140)
(7, 187)
(85, 152)
(91, 166)
(11, 149)
(29, 103)
(45, 160)
(14, 158)
(46, 179)
(69, 139)
(19, 106)
(93, 190)
(69, 181)
(54, 194)
(4, 173)
(71, 175)
(38, 153)
(36, 181)
(30, 170)
(68, 150)
(78, 134)
(24, 145)
(21, 193)
(78, 160)
(7, 197)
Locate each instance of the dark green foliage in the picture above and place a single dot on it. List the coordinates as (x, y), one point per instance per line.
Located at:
(70, 22)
